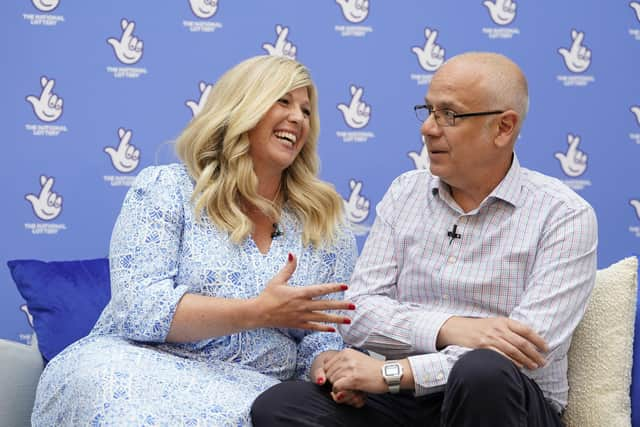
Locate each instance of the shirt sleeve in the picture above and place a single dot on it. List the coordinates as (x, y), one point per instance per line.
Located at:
(144, 256)
(381, 323)
(343, 255)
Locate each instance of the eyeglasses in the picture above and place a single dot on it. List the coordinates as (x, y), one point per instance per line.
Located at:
(446, 117)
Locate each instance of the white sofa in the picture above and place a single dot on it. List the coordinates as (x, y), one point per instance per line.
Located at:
(20, 368)
(600, 359)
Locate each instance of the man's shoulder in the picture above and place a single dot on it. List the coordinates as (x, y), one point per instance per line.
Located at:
(538, 185)
(411, 180)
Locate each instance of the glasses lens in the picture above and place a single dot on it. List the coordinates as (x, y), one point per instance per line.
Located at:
(422, 112)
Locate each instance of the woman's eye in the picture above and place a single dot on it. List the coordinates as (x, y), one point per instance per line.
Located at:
(283, 101)
(306, 112)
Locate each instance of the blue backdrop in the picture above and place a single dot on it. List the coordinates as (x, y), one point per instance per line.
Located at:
(93, 92)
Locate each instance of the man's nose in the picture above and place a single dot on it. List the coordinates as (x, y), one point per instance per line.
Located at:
(430, 126)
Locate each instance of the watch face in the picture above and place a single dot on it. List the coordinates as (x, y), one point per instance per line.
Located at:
(391, 370)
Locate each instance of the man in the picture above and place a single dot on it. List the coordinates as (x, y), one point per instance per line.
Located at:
(471, 282)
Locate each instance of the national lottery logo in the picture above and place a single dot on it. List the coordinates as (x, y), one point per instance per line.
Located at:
(421, 159)
(502, 12)
(636, 8)
(125, 157)
(573, 162)
(354, 11)
(635, 203)
(431, 55)
(577, 57)
(47, 106)
(357, 113)
(127, 48)
(197, 106)
(282, 46)
(356, 208)
(45, 5)
(636, 113)
(203, 9)
(46, 204)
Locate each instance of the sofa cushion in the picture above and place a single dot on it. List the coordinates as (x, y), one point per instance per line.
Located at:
(600, 356)
(64, 298)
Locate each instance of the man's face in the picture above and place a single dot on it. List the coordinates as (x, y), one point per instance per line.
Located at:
(464, 153)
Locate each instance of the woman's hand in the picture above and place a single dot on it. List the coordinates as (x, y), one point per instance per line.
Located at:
(284, 306)
(318, 375)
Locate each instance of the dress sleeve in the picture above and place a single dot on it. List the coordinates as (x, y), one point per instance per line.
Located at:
(343, 256)
(143, 256)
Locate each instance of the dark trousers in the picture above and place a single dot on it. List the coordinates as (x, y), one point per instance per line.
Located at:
(484, 389)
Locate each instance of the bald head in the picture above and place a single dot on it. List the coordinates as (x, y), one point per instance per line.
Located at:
(497, 78)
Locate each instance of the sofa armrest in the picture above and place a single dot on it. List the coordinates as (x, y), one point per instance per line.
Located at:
(20, 369)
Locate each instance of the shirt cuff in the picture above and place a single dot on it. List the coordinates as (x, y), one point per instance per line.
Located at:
(430, 373)
(425, 331)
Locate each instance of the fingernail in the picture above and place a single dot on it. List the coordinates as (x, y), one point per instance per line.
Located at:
(344, 287)
(320, 381)
(331, 330)
(290, 257)
(339, 396)
(346, 321)
(352, 307)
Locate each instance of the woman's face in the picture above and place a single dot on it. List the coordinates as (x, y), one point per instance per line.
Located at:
(279, 136)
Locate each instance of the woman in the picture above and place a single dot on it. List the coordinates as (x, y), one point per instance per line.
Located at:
(202, 317)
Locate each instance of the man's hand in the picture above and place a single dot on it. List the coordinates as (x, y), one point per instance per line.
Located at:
(318, 375)
(509, 337)
(353, 370)
(283, 306)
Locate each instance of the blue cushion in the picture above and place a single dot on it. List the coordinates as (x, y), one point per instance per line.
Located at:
(65, 298)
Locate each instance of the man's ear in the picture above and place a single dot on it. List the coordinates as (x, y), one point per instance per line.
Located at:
(508, 124)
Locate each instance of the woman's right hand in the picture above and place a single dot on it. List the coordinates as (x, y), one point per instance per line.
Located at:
(283, 306)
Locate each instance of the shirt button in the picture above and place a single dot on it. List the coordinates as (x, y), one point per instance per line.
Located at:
(451, 259)
(440, 376)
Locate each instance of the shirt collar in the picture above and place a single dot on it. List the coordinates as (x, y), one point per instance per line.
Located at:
(508, 189)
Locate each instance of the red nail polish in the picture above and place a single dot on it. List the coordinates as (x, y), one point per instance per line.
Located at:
(339, 396)
(331, 330)
(344, 287)
(352, 307)
(290, 257)
(346, 321)
(320, 381)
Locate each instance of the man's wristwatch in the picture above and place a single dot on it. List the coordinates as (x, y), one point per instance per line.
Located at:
(392, 374)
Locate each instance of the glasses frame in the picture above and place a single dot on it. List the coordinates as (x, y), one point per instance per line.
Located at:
(453, 115)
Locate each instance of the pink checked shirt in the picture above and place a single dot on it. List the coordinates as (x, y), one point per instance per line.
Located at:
(528, 252)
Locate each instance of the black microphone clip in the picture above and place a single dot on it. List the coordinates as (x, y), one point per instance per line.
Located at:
(453, 233)
(276, 230)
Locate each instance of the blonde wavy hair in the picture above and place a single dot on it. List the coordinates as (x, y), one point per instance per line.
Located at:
(215, 149)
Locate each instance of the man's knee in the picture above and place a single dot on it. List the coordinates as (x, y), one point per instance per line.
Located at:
(283, 403)
(483, 370)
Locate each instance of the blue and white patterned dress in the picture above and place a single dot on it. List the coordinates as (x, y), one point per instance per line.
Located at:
(124, 373)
